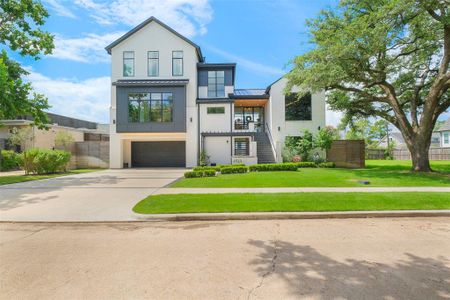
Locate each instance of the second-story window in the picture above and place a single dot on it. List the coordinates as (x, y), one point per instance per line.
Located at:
(177, 63)
(128, 63)
(216, 84)
(298, 109)
(153, 63)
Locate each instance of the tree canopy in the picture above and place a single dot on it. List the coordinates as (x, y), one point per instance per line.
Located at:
(20, 31)
(382, 58)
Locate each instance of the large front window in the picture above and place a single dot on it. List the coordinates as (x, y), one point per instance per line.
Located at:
(216, 84)
(128, 63)
(177, 63)
(243, 116)
(298, 109)
(150, 107)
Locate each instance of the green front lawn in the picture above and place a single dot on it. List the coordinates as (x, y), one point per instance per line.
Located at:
(380, 173)
(22, 178)
(215, 203)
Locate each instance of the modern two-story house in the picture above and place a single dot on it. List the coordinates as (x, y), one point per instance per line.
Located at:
(169, 106)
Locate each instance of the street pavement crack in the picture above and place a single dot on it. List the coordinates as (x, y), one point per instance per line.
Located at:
(272, 265)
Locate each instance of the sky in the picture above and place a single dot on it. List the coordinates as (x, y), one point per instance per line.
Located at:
(261, 36)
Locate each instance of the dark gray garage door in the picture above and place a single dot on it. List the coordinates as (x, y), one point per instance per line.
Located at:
(158, 154)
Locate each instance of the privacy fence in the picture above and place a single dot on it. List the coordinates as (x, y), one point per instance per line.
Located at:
(90, 154)
(434, 154)
(347, 153)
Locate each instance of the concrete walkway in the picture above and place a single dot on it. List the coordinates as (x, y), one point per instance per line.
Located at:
(300, 190)
(107, 195)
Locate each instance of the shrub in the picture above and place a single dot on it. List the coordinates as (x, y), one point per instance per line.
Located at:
(273, 167)
(328, 164)
(9, 160)
(207, 168)
(198, 174)
(233, 169)
(44, 161)
(306, 164)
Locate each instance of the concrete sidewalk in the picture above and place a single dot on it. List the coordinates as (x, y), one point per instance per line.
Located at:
(300, 190)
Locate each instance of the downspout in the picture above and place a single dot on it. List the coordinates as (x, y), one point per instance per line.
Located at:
(198, 134)
(231, 131)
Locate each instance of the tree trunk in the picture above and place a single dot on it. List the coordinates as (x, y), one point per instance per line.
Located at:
(419, 154)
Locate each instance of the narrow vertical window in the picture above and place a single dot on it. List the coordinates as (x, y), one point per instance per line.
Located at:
(128, 63)
(216, 84)
(153, 63)
(177, 63)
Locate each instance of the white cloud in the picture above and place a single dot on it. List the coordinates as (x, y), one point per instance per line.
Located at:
(87, 49)
(246, 63)
(87, 99)
(189, 17)
(60, 8)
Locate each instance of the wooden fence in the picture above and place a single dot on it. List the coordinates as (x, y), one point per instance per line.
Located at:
(92, 154)
(433, 154)
(347, 153)
(375, 153)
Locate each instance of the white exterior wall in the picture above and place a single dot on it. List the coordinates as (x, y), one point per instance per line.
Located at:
(154, 37)
(215, 122)
(275, 115)
(218, 148)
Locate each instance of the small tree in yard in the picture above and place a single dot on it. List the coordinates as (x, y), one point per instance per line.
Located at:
(305, 145)
(325, 137)
(21, 137)
(64, 140)
(388, 59)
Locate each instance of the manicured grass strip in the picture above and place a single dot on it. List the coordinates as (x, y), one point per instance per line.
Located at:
(203, 203)
(22, 178)
(378, 173)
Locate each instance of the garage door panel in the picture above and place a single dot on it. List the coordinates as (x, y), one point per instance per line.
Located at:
(158, 154)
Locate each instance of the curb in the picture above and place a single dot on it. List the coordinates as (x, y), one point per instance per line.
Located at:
(294, 215)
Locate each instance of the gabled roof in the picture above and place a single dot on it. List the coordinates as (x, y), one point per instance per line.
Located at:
(445, 126)
(145, 23)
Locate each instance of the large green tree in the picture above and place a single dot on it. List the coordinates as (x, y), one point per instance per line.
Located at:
(383, 58)
(21, 31)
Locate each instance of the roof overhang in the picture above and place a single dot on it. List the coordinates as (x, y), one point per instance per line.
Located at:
(148, 21)
(214, 100)
(158, 82)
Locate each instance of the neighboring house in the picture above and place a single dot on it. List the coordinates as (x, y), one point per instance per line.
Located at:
(444, 132)
(399, 142)
(80, 130)
(168, 105)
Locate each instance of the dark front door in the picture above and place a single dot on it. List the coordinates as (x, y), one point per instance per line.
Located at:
(158, 154)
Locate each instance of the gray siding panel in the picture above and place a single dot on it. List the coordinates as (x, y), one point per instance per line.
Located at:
(179, 110)
(203, 76)
(158, 154)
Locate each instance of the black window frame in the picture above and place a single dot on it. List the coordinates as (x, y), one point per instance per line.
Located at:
(175, 59)
(150, 100)
(149, 59)
(238, 142)
(213, 93)
(302, 113)
(123, 63)
(215, 110)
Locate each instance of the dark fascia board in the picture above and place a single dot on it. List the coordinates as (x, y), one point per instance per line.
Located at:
(154, 82)
(214, 100)
(249, 97)
(207, 66)
(249, 133)
(270, 85)
(148, 21)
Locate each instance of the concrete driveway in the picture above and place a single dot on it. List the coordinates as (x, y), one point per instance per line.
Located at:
(99, 196)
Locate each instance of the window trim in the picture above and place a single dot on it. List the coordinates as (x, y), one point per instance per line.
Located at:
(123, 63)
(148, 63)
(182, 62)
(150, 107)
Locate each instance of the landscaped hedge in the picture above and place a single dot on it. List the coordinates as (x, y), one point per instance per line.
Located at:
(44, 161)
(9, 160)
(233, 169)
(306, 164)
(274, 167)
(328, 164)
(202, 173)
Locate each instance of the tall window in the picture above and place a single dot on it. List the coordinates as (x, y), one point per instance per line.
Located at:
(177, 63)
(153, 63)
(150, 107)
(241, 147)
(298, 109)
(446, 137)
(128, 63)
(216, 84)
